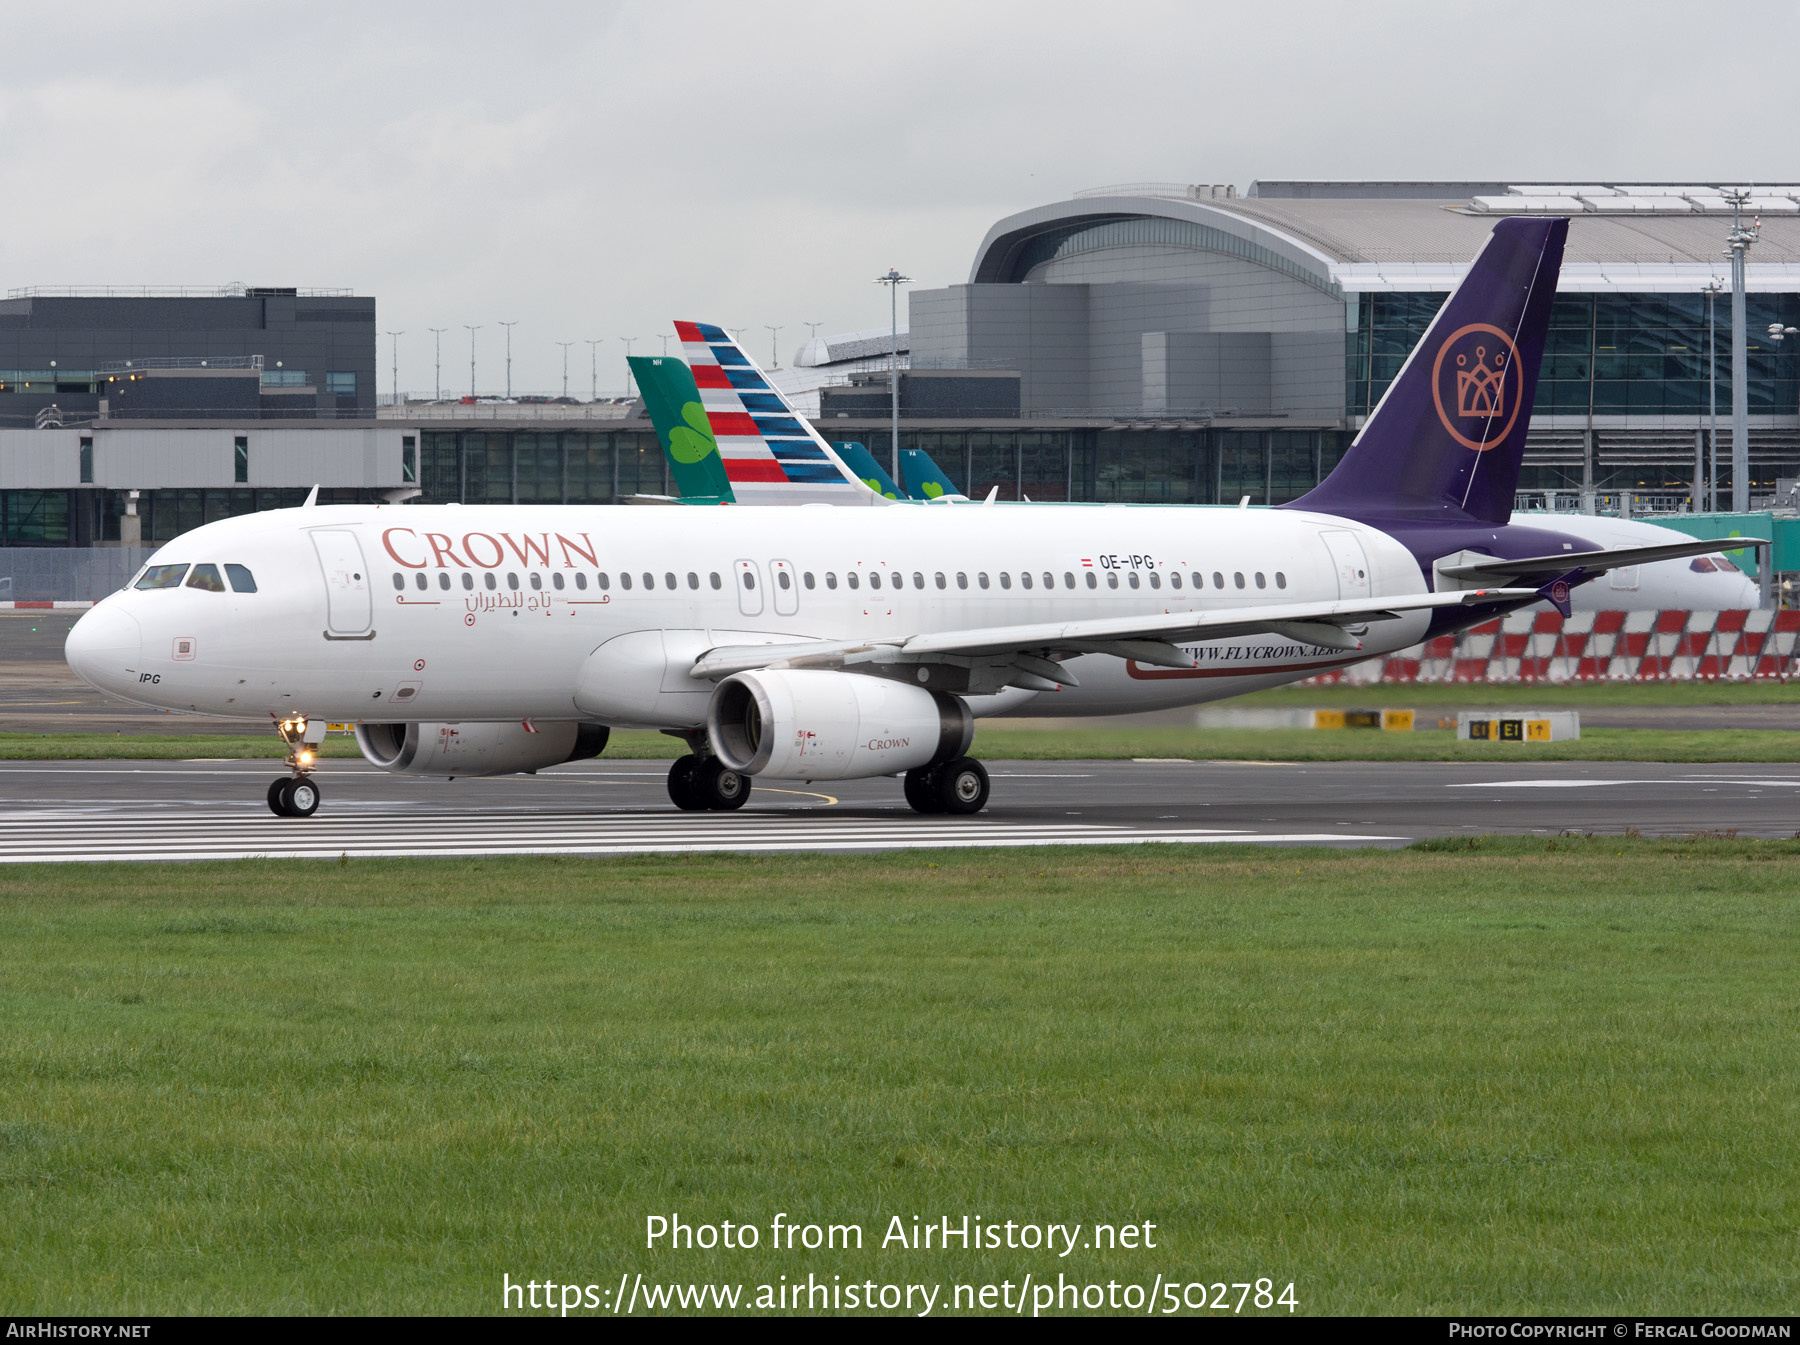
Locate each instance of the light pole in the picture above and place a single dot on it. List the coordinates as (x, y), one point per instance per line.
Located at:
(628, 340)
(774, 354)
(1742, 236)
(894, 280)
(665, 341)
(437, 374)
(1712, 397)
(396, 336)
(565, 345)
(594, 369)
(509, 326)
(472, 331)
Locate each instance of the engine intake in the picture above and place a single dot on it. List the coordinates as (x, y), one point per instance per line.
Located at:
(792, 724)
(477, 749)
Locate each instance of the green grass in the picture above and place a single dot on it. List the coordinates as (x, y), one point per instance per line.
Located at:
(1476, 1077)
(997, 740)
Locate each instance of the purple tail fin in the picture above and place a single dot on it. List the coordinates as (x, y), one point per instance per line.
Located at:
(1446, 440)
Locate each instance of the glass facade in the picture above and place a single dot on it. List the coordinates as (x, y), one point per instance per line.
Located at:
(1128, 466)
(567, 467)
(1623, 354)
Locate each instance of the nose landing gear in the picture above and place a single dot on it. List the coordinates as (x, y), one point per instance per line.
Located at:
(297, 795)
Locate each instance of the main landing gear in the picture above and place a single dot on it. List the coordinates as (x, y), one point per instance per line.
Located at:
(705, 784)
(958, 787)
(296, 795)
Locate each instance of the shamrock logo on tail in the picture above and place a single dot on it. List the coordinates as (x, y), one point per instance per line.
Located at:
(932, 490)
(691, 443)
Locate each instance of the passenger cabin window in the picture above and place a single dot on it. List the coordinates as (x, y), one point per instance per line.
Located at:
(242, 581)
(962, 580)
(420, 582)
(443, 577)
(1260, 581)
(207, 577)
(668, 580)
(830, 579)
(781, 577)
(1280, 579)
(602, 581)
(693, 580)
(512, 581)
(874, 579)
(1155, 579)
(1112, 581)
(981, 578)
(714, 579)
(807, 579)
(1218, 580)
(1024, 578)
(1092, 582)
(649, 580)
(1238, 578)
(556, 580)
(851, 579)
(468, 581)
(162, 576)
(537, 581)
(624, 579)
(1068, 579)
(749, 579)
(1132, 579)
(1174, 578)
(939, 577)
(399, 581)
(581, 581)
(918, 580)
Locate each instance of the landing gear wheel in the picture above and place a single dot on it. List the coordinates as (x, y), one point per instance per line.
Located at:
(302, 797)
(920, 792)
(292, 796)
(684, 785)
(961, 786)
(722, 788)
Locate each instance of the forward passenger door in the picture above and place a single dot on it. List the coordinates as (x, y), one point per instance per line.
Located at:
(749, 587)
(785, 587)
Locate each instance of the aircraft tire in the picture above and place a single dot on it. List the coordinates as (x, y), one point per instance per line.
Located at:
(722, 788)
(961, 786)
(921, 793)
(302, 797)
(278, 795)
(684, 785)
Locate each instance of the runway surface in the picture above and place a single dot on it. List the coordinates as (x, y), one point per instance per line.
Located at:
(135, 810)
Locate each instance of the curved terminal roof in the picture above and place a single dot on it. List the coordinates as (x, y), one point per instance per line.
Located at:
(1375, 236)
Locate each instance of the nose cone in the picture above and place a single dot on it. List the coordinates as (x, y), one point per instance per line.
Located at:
(103, 647)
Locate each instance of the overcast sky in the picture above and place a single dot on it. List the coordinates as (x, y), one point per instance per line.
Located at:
(595, 170)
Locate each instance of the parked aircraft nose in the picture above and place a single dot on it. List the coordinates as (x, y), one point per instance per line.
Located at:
(103, 648)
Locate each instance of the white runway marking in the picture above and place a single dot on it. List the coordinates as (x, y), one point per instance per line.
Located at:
(1754, 782)
(71, 836)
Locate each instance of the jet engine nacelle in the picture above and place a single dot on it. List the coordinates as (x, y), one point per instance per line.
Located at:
(793, 724)
(477, 749)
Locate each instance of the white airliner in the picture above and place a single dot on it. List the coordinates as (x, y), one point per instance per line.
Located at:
(813, 642)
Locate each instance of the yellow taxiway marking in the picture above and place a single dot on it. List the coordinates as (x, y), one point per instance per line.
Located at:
(806, 792)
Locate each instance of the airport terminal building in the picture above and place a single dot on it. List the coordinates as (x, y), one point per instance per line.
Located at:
(1187, 343)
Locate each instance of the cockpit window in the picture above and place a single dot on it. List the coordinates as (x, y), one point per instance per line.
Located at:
(206, 577)
(242, 581)
(162, 576)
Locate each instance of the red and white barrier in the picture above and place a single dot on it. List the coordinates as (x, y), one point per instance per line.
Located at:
(1534, 646)
(41, 606)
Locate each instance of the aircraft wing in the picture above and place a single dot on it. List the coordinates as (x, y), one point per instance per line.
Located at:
(1030, 650)
(1498, 570)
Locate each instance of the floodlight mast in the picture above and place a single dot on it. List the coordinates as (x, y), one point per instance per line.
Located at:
(894, 280)
(472, 331)
(396, 338)
(628, 383)
(1738, 248)
(565, 345)
(1712, 395)
(774, 352)
(437, 373)
(509, 326)
(594, 368)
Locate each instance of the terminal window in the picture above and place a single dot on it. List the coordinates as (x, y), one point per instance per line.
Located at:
(240, 466)
(340, 385)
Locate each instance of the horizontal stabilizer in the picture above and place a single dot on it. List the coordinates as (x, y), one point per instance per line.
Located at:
(1499, 570)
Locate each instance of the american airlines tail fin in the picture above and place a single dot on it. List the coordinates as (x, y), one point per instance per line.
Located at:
(771, 454)
(673, 404)
(1447, 439)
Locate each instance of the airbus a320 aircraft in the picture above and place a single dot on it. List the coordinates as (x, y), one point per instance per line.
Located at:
(822, 643)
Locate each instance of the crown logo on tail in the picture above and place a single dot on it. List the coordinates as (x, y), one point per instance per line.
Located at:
(1480, 391)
